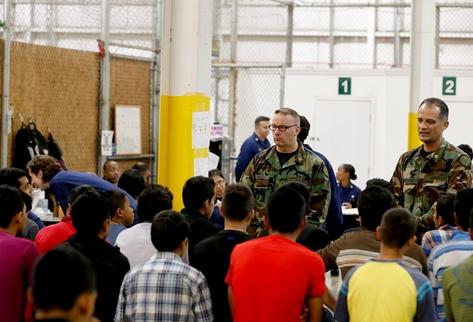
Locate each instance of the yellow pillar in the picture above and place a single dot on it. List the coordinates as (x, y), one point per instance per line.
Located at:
(422, 62)
(184, 118)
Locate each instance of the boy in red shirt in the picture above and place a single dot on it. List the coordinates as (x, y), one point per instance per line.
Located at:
(273, 278)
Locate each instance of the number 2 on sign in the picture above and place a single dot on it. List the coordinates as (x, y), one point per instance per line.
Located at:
(449, 86)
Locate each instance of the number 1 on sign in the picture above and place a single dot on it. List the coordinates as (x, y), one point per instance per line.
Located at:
(345, 86)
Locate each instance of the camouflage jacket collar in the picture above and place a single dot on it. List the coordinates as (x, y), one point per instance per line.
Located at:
(436, 155)
(298, 158)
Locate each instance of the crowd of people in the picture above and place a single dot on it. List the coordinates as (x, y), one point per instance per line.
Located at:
(257, 250)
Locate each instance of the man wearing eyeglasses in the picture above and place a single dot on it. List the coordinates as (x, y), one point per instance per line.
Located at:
(286, 161)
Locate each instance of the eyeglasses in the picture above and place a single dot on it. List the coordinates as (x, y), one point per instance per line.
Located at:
(281, 128)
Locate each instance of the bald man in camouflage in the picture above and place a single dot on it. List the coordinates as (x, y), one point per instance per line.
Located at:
(436, 166)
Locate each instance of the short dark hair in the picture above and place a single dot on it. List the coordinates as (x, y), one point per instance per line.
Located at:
(373, 203)
(444, 208)
(286, 209)
(216, 173)
(46, 164)
(168, 230)
(462, 207)
(467, 149)
(289, 111)
(141, 167)
(260, 119)
(115, 200)
(11, 176)
(77, 191)
(380, 183)
(350, 169)
(132, 181)
(397, 227)
(12, 203)
(237, 201)
(197, 190)
(89, 212)
(305, 128)
(52, 284)
(303, 189)
(153, 199)
(440, 104)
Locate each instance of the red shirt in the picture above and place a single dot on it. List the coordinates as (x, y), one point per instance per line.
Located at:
(271, 277)
(51, 236)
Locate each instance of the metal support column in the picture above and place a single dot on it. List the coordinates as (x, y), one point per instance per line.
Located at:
(331, 37)
(233, 71)
(6, 81)
(105, 81)
(289, 34)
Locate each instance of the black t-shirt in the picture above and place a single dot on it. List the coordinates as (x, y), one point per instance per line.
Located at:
(212, 258)
(424, 153)
(284, 157)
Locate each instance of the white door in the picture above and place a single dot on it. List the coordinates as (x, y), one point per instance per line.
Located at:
(341, 130)
(461, 123)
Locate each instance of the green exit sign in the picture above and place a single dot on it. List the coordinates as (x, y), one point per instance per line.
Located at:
(344, 86)
(449, 86)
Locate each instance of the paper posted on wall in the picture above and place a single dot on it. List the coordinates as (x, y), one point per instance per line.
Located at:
(107, 142)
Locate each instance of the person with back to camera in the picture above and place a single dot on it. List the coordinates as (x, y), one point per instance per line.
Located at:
(56, 296)
(385, 289)
(349, 193)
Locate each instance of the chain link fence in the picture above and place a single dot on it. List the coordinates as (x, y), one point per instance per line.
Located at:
(56, 57)
(454, 35)
(257, 89)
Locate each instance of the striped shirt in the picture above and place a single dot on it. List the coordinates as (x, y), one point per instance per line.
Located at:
(164, 289)
(444, 256)
(436, 237)
(359, 245)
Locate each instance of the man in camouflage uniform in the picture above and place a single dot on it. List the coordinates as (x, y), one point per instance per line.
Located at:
(286, 161)
(436, 166)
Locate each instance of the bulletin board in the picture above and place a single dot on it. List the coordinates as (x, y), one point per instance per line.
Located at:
(128, 129)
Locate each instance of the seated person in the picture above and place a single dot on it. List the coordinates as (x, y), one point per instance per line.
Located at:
(198, 196)
(17, 255)
(444, 222)
(358, 245)
(122, 214)
(132, 182)
(91, 219)
(220, 183)
(53, 235)
(165, 288)
(385, 289)
(135, 242)
(58, 297)
(212, 255)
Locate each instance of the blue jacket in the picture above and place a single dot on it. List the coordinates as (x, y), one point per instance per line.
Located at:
(251, 147)
(334, 222)
(63, 182)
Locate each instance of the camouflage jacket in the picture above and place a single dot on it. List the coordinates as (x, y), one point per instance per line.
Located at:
(418, 180)
(264, 174)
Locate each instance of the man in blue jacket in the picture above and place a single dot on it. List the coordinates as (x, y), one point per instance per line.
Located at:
(253, 145)
(334, 221)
